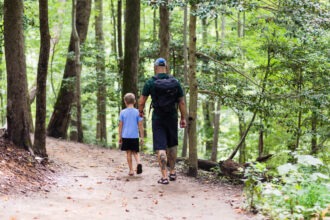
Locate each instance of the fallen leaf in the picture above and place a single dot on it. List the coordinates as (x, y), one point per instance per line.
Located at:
(126, 210)
(68, 197)
(9, 149)
(99, 182)
(238, 211)
(5, 198)
(66, 210)
(90, 188)
(155, 202)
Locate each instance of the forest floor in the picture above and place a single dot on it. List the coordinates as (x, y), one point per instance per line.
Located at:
(90, 182)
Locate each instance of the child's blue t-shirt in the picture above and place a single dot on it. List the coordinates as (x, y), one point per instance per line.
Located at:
(130, 118)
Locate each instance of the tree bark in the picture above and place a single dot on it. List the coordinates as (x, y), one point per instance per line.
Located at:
(78, 70)
(214, 153)
(100, 72)
(17, 113)
(241, 126)
(164, 31)
(119, 35)
(132, 40)
(39, 146)
(154, 32)
(185, 72)
(60, 118)
(192, 120)
(2, 111)
(114, 26)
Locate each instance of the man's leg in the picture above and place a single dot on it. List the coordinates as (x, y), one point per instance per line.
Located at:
(171, 155)
(162, 159)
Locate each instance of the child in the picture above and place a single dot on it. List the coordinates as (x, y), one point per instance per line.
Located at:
(129, 126)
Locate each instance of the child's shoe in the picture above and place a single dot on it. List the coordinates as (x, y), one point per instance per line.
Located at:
(139, 168)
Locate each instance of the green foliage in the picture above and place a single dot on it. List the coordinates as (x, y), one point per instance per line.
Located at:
(297, 192)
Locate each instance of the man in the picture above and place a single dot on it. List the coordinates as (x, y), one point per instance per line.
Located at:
(166, 94)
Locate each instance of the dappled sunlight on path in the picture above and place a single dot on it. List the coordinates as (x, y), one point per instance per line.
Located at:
(93, 184)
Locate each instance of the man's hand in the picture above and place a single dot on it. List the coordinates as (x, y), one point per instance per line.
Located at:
(120, 141)
(183, 123)
(141, 141)
(141, 114)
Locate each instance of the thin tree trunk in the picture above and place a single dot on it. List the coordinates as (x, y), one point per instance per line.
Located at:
(78, 70)
(60, 118)
(164, 31)
(17, 109)
(192, 120)
(185, 72)
(132, 40)
(100, 71)
(39, 146)
(2, 111)
(154, 35)
(261, 143)
(241, 125)
(214, 153)
(314, 120)
(119, 35)
(114, 26)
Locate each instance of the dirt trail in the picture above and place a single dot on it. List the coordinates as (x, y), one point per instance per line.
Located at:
(93, 184)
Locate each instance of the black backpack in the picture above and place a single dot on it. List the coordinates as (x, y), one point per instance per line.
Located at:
(166, 95)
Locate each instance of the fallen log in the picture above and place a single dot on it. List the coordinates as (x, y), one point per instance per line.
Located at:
(202, 164)
(264, 158)
(231, 169)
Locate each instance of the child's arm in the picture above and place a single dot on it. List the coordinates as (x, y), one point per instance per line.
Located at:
(120, 130)
(141, 132)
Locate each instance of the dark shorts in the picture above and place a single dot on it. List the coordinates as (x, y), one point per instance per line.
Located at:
(165, 133)
(130, 144)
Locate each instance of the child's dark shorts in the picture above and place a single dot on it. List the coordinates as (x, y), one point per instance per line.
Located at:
(130, 144)
(165, 133)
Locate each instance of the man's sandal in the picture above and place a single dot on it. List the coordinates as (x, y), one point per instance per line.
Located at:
(172, 176)
(163, 181)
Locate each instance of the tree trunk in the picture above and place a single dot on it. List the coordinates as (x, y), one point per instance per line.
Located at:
(192, 120)
(17, 109)
(261, 143)
(2, 111)
(78, 70)
(100, 72)
(119, 35)
(185, 72)
(114, 26)
(60, 118)
(132, 40)
(314, 120)
(241, 125)
(216, 132)
(164, 31)
(39, 146)
(154, 32)
(217, 113)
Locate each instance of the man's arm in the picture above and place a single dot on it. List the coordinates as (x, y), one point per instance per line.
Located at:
(182, 107)
(142, 103)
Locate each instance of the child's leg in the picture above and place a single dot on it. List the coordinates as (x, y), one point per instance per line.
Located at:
(139, 165)
(129, 161)
(136, 156)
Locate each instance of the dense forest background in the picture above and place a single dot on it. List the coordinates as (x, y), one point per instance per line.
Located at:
(257, 76)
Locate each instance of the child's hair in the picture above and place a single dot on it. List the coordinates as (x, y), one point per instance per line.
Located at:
(129, 98)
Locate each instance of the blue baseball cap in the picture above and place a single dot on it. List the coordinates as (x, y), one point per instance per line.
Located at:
(160, 62)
